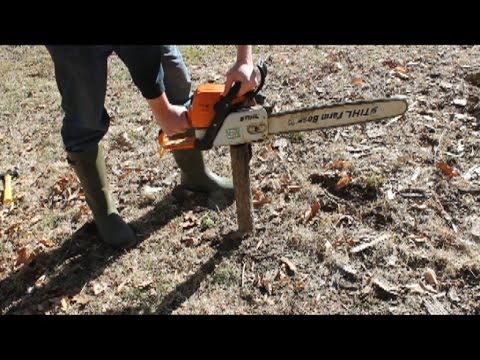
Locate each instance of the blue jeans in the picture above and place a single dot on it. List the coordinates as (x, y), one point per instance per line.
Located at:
(81, 75)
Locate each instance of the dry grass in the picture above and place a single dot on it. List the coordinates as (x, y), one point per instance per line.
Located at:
(413, 217)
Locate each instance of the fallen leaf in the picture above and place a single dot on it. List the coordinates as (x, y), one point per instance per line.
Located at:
(293, 188)
(143, 284)
(401, 75)
(475, 230)
(121, 286)
(189, 240)
(415, 288)
(41, 281)
(338, 165)
(390, 63)
(417, 239)
(384, 286)
(150, 190)
(64, 304)
(35, 219)
(259, 199)
(298, 286)
(349, 269)
(430, 277)
(84, 209)
(124, 174)
(281, 277)
(266, 285)
(362, 247)
(428, 288)
(328, 247)
(13, 229)
(24, 256)
(344, 181)
(124, 140)
(390, 195)
(452, 295)
(65, 191)
(447, 170)
(291, 268)
(310, 214)
(81, 299)
(420, 207)
(190, 216)
(190, 220)
(47, 242)
(98, 288)
(285, 179)
(268, 300)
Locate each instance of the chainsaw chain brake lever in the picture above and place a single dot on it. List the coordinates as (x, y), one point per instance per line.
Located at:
(255, 93)
(252, 94)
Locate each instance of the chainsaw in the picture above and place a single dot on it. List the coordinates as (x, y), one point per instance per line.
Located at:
(235, 120)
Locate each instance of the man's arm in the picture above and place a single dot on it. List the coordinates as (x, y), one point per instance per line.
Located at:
(243, 70)
(171, 118)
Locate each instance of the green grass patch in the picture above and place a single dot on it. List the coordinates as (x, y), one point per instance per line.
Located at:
(226, 274)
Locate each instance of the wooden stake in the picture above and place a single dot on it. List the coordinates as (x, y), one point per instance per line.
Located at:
(240, 160)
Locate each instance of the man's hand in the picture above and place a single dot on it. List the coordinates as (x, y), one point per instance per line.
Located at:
(243, 71)
(174, 121)
(171, 118)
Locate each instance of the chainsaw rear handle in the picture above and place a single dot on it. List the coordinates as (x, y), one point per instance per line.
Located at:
(252, 94)
(262, 67)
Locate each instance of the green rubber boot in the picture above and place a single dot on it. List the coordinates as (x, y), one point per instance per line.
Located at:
(91, 171)
(196, 177)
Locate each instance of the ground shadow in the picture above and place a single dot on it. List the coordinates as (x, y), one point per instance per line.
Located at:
(81, 259)
(182, 292)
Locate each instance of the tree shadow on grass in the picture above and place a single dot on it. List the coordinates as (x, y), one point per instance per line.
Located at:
(81, 259)
(182, 292)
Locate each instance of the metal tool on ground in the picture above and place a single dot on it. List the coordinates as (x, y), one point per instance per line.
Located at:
(240, 121)
(7, 185)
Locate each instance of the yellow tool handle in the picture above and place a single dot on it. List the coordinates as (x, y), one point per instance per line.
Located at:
(7, 191)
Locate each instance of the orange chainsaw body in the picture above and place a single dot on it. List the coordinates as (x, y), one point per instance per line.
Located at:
(200, 115)
(201, 112)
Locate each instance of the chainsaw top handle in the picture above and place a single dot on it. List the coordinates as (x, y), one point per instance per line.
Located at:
(229, 103)
(262, 67)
